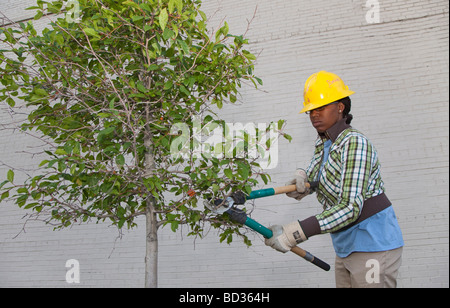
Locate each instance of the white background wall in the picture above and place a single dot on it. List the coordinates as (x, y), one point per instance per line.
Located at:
(399, 70)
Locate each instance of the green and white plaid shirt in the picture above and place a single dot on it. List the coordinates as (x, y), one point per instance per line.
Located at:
(350, 176)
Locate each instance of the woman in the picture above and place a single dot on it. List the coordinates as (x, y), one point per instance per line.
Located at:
(364, 230)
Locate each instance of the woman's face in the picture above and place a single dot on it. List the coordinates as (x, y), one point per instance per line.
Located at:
(324, 117)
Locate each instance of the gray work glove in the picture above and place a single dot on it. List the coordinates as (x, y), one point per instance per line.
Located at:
(300, 179)
(285, 237)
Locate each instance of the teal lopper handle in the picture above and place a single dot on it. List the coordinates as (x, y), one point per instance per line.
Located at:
(267, 233)
(261, 193)
(254, 225)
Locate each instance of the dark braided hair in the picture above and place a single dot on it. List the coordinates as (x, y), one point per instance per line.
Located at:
(348, 106)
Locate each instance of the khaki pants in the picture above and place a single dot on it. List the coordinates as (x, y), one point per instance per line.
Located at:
(368, 269)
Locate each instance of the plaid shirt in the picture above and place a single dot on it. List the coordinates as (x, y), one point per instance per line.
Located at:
(350, 176)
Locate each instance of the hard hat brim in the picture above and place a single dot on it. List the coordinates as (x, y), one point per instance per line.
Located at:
(315, 105)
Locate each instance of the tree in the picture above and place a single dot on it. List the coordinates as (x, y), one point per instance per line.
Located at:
(106, 87)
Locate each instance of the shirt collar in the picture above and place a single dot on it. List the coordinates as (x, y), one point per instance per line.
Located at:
(334, 131)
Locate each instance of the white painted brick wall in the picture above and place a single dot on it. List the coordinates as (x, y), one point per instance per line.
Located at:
(399, 70)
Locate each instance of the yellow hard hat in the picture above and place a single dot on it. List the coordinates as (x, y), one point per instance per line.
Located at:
(323, 88)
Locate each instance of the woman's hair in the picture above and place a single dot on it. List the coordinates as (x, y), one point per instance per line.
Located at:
(348, 106)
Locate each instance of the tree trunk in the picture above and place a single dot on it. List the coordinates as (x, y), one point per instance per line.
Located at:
(151, 251)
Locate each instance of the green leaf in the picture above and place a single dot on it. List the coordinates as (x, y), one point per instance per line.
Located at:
(280, 124)
(179, 4)
(184, 90)
(163, 18)
(10, 176)
(184, 46)
(120, 160)
(248, 55)
(137, 18)
(226, 28)
(120, 223)
(148, 28)
(202, 14)
(168, 85)
(38, 15)
(264, 178)
(107, 131)
(142, 88)
(228, 173)
(131, 3)
(171, 6)
(104, 115)
(174, 225)
(4, 195)
(153, 67)
(60, 151)
(3, 183)
(215, 188)
(30, 205)
(288, 137)
(243, 171)
(168, 34)
(146, 7)
(21, 200)
(248, 189)
(40, 92)
(10, 102)
(91, 32)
